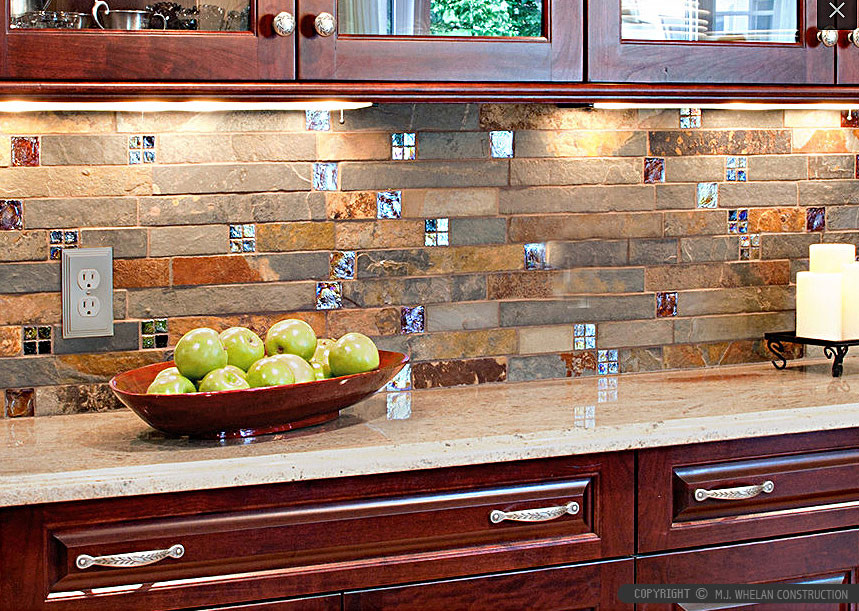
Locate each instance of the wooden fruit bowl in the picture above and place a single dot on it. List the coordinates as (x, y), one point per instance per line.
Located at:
(253, 411)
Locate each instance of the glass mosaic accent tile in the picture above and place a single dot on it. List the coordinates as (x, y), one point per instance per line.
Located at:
(607, 390)
(342, 265)
(584, 416)
(11, 214)
(535, 256)
(607, 363)
(666, 305)
(25, 151)
(317, 120)
(243, 238)
(153, 333)
(735, 169)
(436, 232)
(325, 176)
(37, 340)
(850, 118)
(815, 219)
(403, 146)
(738, 221)
(329, 295)
(141, 149)
(20, 402)
(750, 247)
(412, 319)
(501, 144)
(401, 381)
(690, 118)
(389, 204)
(399, 405)
(584, 336)
(654, 170)
(708, 195)
(60, 239)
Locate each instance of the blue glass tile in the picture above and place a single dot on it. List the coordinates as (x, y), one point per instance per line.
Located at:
(535, 256)
(708, 195)
(443, 224)
(743, 215)
(431, 225)
(731, 176)
(389, 205)
(325, 176)
(56, 253)
(590, 343)
(329, 295)
(741, 175)
(602, 369)
(579, 329)
(56, 236)
(70, 237)
(134, 157)
(442, 239)
(501, 144)
(317, 120)
(135, 142)
(430, 239)
(397, 139)
(148, 156)
(409, 139)
(235, 231)
(149, 142)
(342, 265)
(412, 319)
(249, 245)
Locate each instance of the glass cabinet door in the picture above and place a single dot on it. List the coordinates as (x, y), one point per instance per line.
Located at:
(149, 40)
(718, 41)
(475, 40)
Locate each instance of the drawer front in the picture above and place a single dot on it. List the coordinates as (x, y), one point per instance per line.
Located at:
(576, 588)
(326, 536)
(830, 558)
(332, 602)
(713, 493)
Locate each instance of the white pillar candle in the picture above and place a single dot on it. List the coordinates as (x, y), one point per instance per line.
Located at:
(818, 306)
(850, 299)
(830, 258)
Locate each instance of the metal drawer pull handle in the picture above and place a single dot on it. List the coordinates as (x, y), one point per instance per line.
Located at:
(130, 560)
(534, 515)
(735, 494)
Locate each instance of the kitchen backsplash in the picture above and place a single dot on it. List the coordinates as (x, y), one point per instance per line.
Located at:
(494, 243)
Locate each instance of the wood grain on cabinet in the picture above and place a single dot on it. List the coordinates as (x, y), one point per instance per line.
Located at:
(332, 602)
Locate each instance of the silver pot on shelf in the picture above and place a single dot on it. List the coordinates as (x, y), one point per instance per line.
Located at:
(124, 19)
(22, 7)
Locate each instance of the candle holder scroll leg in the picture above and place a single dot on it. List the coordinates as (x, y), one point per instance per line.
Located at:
(837, 354)
(777, 348)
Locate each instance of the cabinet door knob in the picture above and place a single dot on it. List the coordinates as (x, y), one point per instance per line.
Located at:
(546, 514)
(829, 38)
(284, 23)
(853, 36)
(84, 561)
(325, 24)
(734, 494)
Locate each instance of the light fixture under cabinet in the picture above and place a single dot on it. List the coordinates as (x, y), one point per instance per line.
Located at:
(726, 105)
(17, 106)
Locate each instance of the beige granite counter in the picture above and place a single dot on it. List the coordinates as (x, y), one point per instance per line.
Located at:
(115, 454)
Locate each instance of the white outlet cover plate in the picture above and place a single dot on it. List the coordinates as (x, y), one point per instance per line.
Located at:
(83, 321)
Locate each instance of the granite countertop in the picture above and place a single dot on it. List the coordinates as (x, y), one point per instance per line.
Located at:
(110, 454)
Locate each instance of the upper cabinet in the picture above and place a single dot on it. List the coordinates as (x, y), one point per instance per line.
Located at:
(708, 41)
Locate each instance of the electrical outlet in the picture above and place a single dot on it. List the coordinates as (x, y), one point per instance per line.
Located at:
(87, 292)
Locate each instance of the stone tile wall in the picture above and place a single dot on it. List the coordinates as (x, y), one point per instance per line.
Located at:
(494, 243)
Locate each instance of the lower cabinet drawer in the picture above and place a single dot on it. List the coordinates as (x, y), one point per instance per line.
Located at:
(328, 536)
(829, 558)
(332, 602)
(591, 586)
(748, 489)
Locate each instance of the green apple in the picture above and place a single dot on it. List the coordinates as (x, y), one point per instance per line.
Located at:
(199, 352)
(270, 371)
(320, 371)
(222, 379)
(239, 372)
(170, 385)
(320, 357)
(353, 353)
(244, 347)
(301, 369)
(291, 336)
(170, 371)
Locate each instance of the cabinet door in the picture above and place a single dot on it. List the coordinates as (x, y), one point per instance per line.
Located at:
(831, 558)
(707, 41)
(575, 588)
(215, 40)
(331, 602)
(441, 40)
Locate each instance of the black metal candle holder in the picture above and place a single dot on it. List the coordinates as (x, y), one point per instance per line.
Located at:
(833, 350)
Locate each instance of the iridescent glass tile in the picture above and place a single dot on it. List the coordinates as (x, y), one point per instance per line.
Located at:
(535, 256)
(399, 405)
(342, 265)
(25, 151)
(666, 305)
(815, 219)
(412, 319)
(20, 402)
(329, 295)
(401, 381)
(389, 204)
(708, 195)
(325, 176)
(317, 120)
(11, 215)
(501, 144)
(654, 170)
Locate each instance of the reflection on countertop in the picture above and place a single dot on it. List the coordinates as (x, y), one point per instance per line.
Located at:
(115, 454)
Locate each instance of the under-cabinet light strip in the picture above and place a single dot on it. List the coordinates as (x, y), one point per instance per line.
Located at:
(727, 105)
(9, 106)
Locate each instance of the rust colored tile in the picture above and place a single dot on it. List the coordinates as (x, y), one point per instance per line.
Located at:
(580, 363)
(686, 356)
(281, 237)
(351, 205)
(815, 219)
(10, 341)
(721, 142)
(373, 234)
(849, 118)
(32, 308)
(140, 273)
(25, 151)
(654, 170)
(463, 259)
(459, 372)
(726, 275)
(11, 215)
(225, 269)
(520, 285)
(682, 356)
(20, 402)
(776, 220)
(825, 141)
(373, 322)
(105, 365)
(666, 305)
(258, 323)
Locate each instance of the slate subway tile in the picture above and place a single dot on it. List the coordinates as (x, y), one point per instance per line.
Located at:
(57, 123)
(357, 235)
(226, 299)
(353, 146)
(839, 218)
(807, 140)
(231, 178)
(462, 344)
(757, 194)
(724, 275)
(596, 281)
(258, 323)
(31, 308)
(709, 248)
(227, 121)
(374, 292)
(585, 226)
(369, 175)
(453, 145)
(520, 285)
(230, 269)
(125, 337)
(81, 212)
(373, 322)
(849, 237)
(580, 143)
(538, 367)
(829, 193)
(787, 245)
(23, 246)
(727, 142)
(731, 327)
(231, 208)
(676, 197)
(84, 150)
(72, 181)
(580, 309)
(475, 231)
(694, 169)
(546, 200)
(812, 118)
(141, 273)
(75, 399)
(539, 340)
(684, 356)
(30, 277)
(455, 259)
(695, 222)
(462, 202)
(279, 237)
(778, 167)
(736, 300)
(717, 118)
(232, 148)
(590, 253)
(461, 316)
(545, 172)
(640, 360)
(435, 374)
(411, 117)
(85, 368)
(831, 166)
(550, 116)
(126, 243)
(635, 333)
(656, 251)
